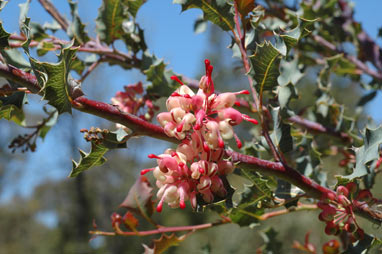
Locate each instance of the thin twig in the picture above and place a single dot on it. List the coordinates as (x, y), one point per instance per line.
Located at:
(300, 207)
(160, 230)
(49, 7)
(90, 69)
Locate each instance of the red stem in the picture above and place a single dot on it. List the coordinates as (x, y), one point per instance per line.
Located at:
(142, 127)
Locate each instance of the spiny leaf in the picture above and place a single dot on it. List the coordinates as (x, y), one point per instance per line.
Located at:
(367, 153)
(265, 64)
(161, 82)
(251, 192)
(133, 6)
(109, 21)
(3, 37)
(218, 12)
(292, 37)
(164, 243)
(54, 79)
(290, 72)
(88, 160)
(76, 28)
(139, 198)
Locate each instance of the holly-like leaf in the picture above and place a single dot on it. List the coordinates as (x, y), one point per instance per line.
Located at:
(265, 64)
(139, 198)
(164, 243)
(251, 194)
(4, 36)
(76, 28)
(88, 160)
(218, 12)
(290, 72)
(367, 153)
(161, 83)
(54, 79)
(245, 6)
(133, 6)
(292, 37)
(109, 21)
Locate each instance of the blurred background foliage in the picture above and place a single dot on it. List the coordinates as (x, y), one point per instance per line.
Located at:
(55, 215)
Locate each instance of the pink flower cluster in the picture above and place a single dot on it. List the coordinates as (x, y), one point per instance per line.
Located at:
(129, 101)
(202, 122)
(337, 210)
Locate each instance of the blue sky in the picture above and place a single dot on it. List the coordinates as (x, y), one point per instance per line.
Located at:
(169, 35)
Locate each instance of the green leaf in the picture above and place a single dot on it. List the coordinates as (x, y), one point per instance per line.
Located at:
(76, 28)
(290, 72)
(292, 37)
(2, 4)
(50, 121)
(115, 139)
(37, 32)
(367, 153)
(54, 79)
(200, 25)
(109, 21)
(3, 37)
(281, 132)
(11, 107)
(161, 83)
(366, 98)
(15, 57)
(44, 47)
(265, 64)
(88, 160)
(362, 246)
(251, 196)
(218, 12)
(139, 198)
(133, 6)
(272, 244)
(285, 94)
(11, 113)
(165, 242)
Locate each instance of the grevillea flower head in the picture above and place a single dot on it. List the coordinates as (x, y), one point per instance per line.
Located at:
(133, 102)
(202, 121)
